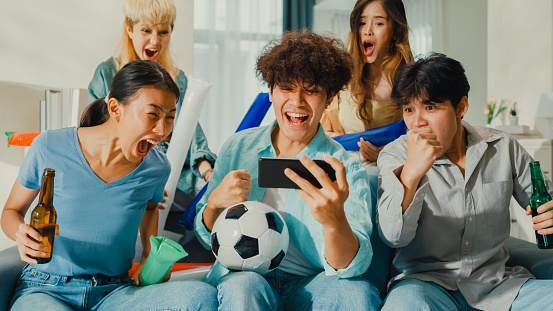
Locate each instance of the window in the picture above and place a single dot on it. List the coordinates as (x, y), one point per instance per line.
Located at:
(425, 20)
(228, 37)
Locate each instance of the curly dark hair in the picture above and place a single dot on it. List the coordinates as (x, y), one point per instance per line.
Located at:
(308, 59)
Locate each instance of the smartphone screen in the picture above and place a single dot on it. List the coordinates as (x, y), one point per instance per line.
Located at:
(271, 173)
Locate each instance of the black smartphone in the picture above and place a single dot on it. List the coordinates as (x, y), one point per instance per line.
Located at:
(271, 173)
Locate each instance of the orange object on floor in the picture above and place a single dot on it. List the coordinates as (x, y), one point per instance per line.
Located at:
(22, 139)
(176, 267)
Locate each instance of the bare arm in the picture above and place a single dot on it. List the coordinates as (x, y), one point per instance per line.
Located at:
(13, 224)
(148, 227)
(341, 245)
(203, 166)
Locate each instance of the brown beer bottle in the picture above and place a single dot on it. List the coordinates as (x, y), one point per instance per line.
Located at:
(43, 216)
(539, 197)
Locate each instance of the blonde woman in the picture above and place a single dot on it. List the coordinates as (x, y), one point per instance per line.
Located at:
(379, 44)
(146, 35)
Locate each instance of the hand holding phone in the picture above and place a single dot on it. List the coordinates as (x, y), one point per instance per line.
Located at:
(326, 204)
(271, 172)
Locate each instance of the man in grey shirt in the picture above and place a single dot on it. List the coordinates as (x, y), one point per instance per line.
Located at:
(444, 201)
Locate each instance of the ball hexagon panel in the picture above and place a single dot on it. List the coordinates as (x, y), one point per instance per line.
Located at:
(270, 243)
(253, 223)
(230, 258)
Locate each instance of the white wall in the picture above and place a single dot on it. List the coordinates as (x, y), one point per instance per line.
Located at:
(58, 44)
(465, 39)
(324, 13)
(520, 58)
(19, 113)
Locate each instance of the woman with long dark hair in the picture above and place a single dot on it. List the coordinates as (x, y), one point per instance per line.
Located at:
(379, 45)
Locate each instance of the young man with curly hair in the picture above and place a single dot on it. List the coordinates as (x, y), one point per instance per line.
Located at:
(329, 227)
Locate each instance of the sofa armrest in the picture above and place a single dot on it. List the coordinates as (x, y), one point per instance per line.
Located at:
(10, 270)
(538, 261)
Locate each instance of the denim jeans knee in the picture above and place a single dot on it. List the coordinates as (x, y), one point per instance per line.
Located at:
(324, 292)
(413, 294)
(246, 291)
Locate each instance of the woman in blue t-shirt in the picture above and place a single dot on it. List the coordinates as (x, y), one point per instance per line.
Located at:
(108, 182)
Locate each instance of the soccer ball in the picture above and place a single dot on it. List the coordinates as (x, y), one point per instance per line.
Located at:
(250, 236)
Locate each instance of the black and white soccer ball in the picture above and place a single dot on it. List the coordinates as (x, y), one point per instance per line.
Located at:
(250, 236)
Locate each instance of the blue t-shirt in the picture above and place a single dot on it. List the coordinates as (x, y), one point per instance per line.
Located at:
(98, 221)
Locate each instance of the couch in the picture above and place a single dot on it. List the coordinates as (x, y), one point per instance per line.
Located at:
(10, 269)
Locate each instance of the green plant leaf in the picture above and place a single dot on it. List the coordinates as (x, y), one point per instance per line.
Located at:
(500, 110)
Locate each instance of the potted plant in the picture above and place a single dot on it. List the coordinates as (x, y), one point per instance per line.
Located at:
(492, 109)
(513, 116)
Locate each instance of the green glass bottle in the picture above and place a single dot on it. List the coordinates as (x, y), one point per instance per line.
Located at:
(43, 216)
(538, 198)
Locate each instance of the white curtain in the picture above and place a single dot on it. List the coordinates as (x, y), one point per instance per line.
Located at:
(228, 37)
(425, 20)
(339, 24)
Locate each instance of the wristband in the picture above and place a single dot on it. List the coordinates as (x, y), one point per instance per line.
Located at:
(206, 172)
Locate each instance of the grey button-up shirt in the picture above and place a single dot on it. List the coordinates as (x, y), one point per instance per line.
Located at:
(455, 231)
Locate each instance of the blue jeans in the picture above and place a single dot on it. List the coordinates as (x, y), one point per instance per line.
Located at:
(40, 291)
(412, 294)
(282, 291)
(534, 295)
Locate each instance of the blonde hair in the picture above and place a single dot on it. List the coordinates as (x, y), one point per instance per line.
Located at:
(399, 52)
(155, 11)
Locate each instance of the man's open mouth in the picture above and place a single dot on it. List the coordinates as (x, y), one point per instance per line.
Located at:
(296, 118)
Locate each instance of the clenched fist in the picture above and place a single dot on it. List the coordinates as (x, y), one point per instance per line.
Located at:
(423, 149)
(234, 188)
